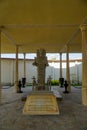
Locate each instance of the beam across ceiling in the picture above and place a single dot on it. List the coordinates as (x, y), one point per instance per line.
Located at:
(8, 36)
(39, 25)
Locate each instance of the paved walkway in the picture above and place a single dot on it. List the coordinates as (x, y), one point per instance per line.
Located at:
(73, 115)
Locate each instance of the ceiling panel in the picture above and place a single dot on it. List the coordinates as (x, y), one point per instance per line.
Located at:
(48, 24)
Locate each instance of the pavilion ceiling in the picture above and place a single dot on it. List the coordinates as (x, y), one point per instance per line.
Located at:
(48, 24)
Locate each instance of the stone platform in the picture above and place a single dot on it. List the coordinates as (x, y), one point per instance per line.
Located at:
(57, 95)
(54, 91)
(41, 103)
(73, 115)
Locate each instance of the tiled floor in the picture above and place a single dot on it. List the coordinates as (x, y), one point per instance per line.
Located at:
(73, 115)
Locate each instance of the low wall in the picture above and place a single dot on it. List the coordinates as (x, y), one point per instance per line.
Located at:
(8, 71)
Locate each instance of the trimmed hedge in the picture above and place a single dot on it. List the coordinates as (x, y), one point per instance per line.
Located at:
(54, 82)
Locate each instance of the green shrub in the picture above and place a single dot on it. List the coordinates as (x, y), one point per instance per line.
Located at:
(54, 82)
(75, 83)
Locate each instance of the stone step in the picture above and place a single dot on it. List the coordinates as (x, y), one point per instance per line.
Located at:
(41, 104)
(57, 95)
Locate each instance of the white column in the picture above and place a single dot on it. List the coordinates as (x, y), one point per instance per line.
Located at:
(0, 69)
(16, 71)
(24, 65)
(84, 64)
(77, 73)
(67, 68)
(60, 65)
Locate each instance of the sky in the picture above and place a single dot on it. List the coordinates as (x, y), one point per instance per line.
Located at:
(52, 56)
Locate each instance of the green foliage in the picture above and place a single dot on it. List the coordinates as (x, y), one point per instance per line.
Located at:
(75, 83)
(54, 82)
(28, 84)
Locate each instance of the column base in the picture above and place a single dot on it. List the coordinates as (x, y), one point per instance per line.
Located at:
(84, 95)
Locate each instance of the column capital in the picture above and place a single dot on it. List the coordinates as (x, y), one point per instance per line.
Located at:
(83, 27)
(17, 48)
(60, 53)
(2, 27)
(24, 54)
(67, 48)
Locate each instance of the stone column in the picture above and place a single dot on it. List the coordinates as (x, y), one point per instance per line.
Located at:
(67, 69)
(0, 69)
(16, 71)
(84, 64)
(24, 65)
(60, 65)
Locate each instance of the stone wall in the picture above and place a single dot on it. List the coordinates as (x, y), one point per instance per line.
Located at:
(8, 71)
